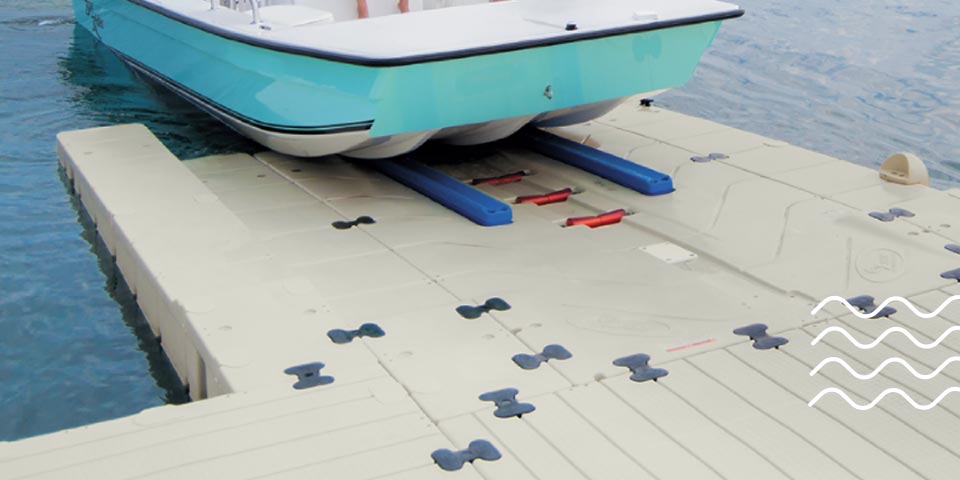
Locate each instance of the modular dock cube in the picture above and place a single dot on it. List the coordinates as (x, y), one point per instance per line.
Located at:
(237, 266)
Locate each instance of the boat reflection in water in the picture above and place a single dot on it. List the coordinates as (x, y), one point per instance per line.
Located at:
(105, 91)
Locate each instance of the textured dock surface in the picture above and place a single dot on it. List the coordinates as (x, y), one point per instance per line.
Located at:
(237, 267)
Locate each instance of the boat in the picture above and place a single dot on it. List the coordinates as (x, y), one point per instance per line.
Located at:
(309, 78)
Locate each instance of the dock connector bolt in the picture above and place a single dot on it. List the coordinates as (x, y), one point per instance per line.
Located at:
(477, 450)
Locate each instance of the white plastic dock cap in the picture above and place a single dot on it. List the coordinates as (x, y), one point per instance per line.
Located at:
(905, 169)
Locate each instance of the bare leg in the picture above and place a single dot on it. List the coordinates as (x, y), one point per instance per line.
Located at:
(362, 9)
(404, 6)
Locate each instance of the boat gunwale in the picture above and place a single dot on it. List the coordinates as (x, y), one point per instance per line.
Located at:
(431, 57)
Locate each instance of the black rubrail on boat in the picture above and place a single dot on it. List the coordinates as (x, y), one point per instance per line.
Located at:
(217, 110)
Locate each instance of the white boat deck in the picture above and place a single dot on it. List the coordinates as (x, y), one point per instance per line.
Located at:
(237, 267)
(387, 36)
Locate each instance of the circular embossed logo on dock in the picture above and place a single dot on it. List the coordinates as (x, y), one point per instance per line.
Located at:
(880, 265)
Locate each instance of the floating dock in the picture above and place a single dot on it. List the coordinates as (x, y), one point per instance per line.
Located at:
(331, 322)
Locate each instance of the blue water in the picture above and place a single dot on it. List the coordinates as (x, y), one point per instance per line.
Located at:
(858, 80)
(74, 349)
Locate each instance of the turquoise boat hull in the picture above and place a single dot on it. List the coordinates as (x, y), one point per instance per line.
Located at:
(295, 94)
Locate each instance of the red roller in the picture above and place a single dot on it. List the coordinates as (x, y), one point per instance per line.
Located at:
(601, 220)
(546, 198)
(501, 180)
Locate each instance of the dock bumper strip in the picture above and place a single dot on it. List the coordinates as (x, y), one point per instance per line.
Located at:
(477, 206)
(602, 164)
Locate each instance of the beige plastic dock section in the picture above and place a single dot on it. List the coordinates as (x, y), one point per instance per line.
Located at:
(238, 268)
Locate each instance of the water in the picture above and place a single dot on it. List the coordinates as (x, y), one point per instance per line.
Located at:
(857, 80)
(73, 348)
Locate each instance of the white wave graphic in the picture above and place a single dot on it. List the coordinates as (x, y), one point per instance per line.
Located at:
(885, 334)
(880, 397)
(901, 300)
(883, 365)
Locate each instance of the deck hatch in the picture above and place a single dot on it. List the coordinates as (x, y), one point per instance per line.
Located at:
(669, 252)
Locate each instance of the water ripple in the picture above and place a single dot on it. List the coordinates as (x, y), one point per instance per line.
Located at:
(857, 80)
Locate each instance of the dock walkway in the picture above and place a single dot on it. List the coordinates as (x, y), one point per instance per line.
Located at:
(238, 269)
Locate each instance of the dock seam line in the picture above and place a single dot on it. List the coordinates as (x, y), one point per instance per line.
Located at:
(361, 452)
(883, 373)
(613, 197)
(185, 420)
(558, 450)
(830, 197)
(885, 410)
(663, 430)
(504, 445)
(414, 266)
(851, 325)
(299, 438)
(208, 432)
(431, 281)
(728, 432)
(825, 412)
(605, 436)
(763, 412)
